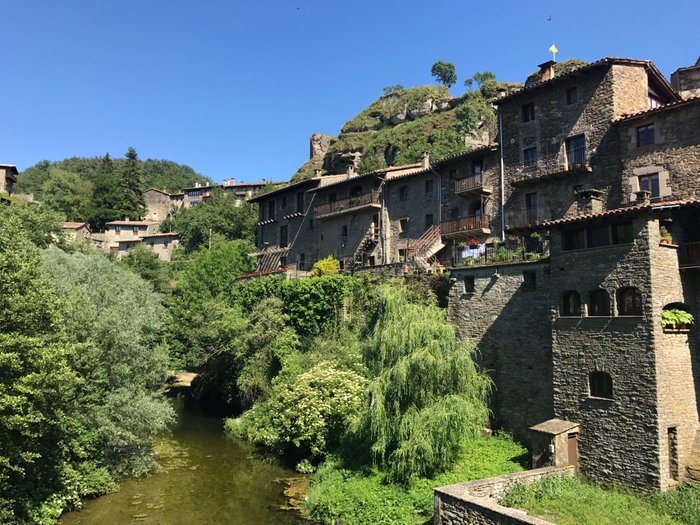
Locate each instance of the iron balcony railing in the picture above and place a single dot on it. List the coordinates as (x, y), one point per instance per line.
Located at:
(531, 216)
(331, 208)
(464, 224)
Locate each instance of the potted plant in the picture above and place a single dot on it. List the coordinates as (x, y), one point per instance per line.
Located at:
(676, 319)
(474, 244)
(665, 236)
(461, 246)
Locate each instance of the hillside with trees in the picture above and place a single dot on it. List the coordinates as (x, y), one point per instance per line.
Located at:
(100, 189)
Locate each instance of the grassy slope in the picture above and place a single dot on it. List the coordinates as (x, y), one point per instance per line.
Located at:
(338, 495)
(573, 501)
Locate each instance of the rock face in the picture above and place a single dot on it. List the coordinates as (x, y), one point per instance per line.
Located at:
(319, 144)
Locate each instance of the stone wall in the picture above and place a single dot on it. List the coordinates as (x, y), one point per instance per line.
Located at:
(158, 205)
(508, 323)
(475, 502)
(675, 155)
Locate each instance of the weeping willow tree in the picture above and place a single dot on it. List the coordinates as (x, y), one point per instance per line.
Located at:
(426, 394)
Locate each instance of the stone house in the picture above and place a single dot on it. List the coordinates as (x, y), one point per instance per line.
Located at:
(77, 231)
(8, 177)
(120, 236)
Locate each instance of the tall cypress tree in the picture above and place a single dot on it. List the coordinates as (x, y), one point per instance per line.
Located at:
(132, 186)
(107, 200)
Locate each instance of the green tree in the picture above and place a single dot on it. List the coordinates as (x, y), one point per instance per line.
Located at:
(426, 393)
(68, 193)
(444, 72)
(220, 215)
(390, 90)
(107, 204)
(144, 262)
(41, 225)
(327, 266)
(132, 186)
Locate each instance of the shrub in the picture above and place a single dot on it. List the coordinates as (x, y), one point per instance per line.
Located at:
(327, 266)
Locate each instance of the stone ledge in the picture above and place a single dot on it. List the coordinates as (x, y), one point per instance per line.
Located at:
(476, 502)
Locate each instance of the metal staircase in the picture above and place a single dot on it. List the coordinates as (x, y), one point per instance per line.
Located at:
(369, 239)
(425, 247)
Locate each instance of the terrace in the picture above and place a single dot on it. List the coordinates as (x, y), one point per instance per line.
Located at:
(352, 204)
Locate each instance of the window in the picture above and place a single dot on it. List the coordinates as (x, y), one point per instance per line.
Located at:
(283, 236)
(645, 135)
(650, 183)
(600, 385)
(403, 193)
(530, 157)
(429, 186)
(135, 230)
(344, 231)
(528, 112)
(622, 233)
(572, 95)
(117, 229)
(402, 255)
(529, 281)
(576, 150)
(271, 210)
(428, 220)
(477, 166)
(284, 201)
(469, 285)
(599, 304)
(453, 174)
(302, 260)
(403, 225)
(572, 304)
(629, 302)
(300, 202)
(531, 207)
(597, 236)
(573, 240)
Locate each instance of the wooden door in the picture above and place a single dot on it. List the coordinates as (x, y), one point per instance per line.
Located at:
(572, 445)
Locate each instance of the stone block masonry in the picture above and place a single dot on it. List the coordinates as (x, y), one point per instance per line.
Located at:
(476, 502)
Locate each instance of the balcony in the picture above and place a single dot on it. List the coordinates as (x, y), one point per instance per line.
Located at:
(528, 217)
(689, 255)
(465, 226)
(352, 204)
(550, 166)
(472, 185)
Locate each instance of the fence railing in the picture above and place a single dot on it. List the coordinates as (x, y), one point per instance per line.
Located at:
(527, 250)
(464, 224)
(469, 183)
(342, 205)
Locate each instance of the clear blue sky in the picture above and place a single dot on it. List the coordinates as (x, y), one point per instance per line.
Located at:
(235, 89)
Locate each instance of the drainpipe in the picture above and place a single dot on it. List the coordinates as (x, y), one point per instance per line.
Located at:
(502, 183)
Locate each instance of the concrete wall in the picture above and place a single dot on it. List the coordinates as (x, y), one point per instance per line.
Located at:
(476, 502)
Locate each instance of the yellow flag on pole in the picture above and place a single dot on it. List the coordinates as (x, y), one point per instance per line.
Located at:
(553, 49)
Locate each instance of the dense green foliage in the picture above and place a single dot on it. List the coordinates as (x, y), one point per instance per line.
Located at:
(361, 496)
(219, 217)
(573, 501)
(327, 266)
(100, 189)
(444, 72)
(82, 361)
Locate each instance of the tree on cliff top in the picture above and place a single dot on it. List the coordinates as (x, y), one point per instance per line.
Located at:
(444, 72)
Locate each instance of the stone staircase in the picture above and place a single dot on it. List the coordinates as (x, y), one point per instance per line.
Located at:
(693, 467)
(426, 247)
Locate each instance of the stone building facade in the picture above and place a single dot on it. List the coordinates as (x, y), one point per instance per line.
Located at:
(8, 177)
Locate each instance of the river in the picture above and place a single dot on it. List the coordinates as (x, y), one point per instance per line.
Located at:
(206, 478)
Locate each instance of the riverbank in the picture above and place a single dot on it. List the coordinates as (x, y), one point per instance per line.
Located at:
(205, 477)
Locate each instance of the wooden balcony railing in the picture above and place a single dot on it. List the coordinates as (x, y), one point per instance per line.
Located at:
(689, 255)
(470, 184)
(366, 199)
(464, 224)
(524, 218)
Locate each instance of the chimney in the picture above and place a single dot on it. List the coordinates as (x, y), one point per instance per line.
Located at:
(232, 181)
(547, 70)
(425, 161)
(317, 172)
(590, 201)
(351, 170)
(197, 185)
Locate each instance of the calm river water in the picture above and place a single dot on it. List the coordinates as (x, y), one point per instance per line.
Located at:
(206, 478)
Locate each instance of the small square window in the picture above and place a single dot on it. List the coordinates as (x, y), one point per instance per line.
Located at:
(572, 95)
(428, 220)
(530, 157)
(528, 112)
(529, 281)
(344, 231)
(402, 255)
(403, 225)
(469, 284)
(645, 135)
(429, 186)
